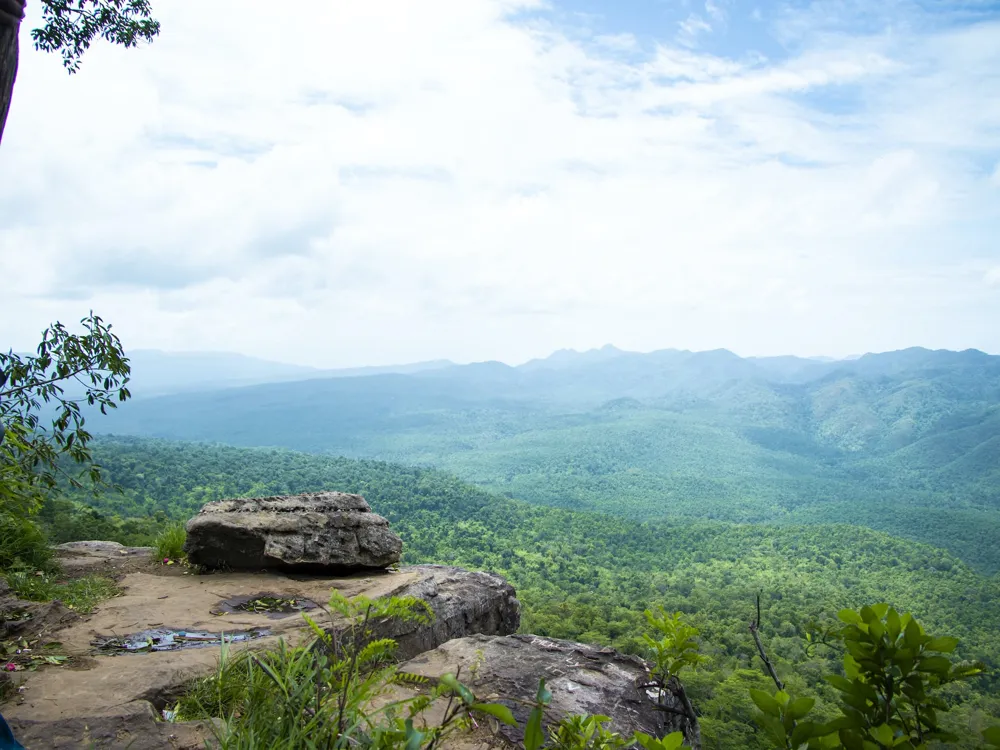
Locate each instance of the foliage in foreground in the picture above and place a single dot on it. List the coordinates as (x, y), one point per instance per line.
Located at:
(343, 690)
(889, 690)
(68, 370)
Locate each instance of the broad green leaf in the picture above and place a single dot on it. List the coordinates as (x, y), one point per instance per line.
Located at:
(800, 707)
(543, 695)
(992, 736)
(451, 682)
(849, 616)
(945, 644)
(935, 664)
(496, 710)
(892, 624)
(803, 732)
(414, 739)
(880, 610)
(533, 737)
(883, 734)
(765, 702)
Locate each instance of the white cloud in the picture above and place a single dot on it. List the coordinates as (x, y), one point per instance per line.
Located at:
(388, 181)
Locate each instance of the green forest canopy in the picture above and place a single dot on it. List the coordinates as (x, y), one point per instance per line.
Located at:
(589, 577)
(905, 442)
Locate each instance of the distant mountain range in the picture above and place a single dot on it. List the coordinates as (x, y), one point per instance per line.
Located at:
(156, 373)
(905, 441)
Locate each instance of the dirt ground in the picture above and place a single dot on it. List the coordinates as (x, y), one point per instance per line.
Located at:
(92, 683)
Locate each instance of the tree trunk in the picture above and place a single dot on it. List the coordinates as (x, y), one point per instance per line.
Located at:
(11, 13)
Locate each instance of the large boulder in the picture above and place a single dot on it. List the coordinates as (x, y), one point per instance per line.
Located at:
(582, 679)
(321, 533)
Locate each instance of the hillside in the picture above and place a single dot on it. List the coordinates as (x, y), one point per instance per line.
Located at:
(588, 577)
(907, 442)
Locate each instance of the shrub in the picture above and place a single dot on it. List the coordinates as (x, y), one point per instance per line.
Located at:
(22, 543)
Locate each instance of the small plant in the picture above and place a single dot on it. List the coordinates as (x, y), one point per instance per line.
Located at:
(170, 543)
(586, 733)
(673, 651)
(333, 693)
(892, 669)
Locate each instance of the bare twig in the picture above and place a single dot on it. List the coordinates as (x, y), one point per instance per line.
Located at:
(755, 632)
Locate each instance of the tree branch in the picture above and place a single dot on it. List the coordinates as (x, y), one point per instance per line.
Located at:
(43, 383)
(755, 632)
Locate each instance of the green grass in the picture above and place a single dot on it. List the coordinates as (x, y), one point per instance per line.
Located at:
(81, 594)
(170, 542)
(22, 543)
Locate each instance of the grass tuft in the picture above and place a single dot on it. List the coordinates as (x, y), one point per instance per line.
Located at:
(80, 594)
(170, 542)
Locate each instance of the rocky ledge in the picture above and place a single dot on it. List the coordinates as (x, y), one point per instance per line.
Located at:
(582, 680)
(112, 701)
(328, 533)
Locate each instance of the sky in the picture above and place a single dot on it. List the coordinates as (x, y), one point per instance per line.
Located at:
(364, 183)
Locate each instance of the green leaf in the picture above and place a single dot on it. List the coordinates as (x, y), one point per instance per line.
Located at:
(802, 733)
(414, 739)
(543, 695)
(883, 735)
(934, 664)
(496, 710)
(849, 616)
(765, 702)
(533, 737)
(945, 644)
(451, 682)
(893, 625)
(992, 736)
(800, 707)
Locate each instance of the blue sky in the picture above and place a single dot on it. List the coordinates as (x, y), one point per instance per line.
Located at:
(497, 179)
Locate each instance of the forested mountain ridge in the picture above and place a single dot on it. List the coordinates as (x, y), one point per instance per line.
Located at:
(907, 442)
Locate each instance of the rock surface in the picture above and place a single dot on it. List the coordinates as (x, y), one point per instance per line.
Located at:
(101, 558)
(135, 727)
(464, 603)
(92, 688)
(582, 679)
(322, 533)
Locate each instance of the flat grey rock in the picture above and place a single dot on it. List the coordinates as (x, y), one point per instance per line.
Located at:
(318, 533)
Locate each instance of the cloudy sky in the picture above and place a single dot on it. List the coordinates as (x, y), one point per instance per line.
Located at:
(347, 182)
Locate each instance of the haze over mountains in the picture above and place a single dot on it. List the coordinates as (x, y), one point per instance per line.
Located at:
(156, 373)
(905, 441)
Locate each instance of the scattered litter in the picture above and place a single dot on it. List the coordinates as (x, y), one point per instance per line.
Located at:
(170, 639)
(266, 603)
